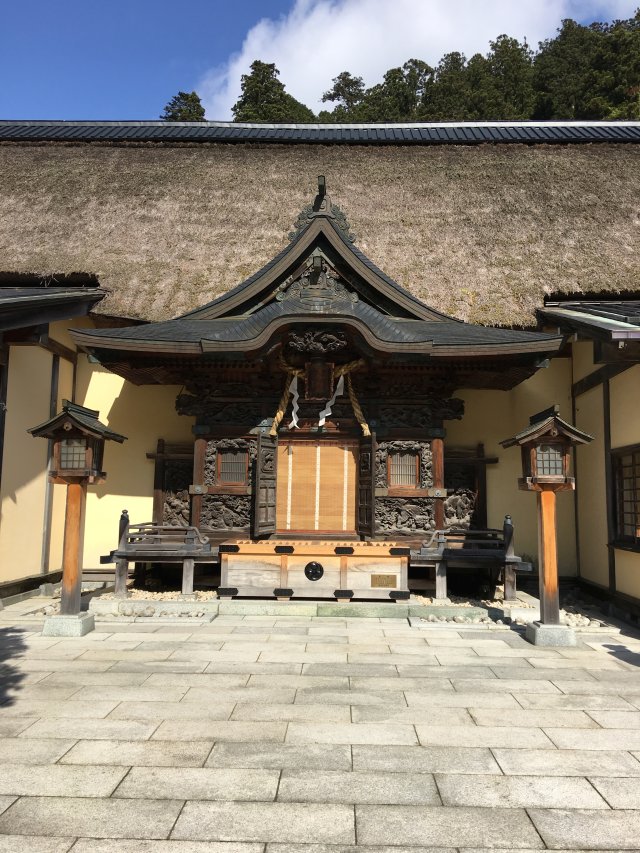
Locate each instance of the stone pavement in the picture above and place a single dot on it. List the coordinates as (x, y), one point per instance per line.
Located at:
(257, 734)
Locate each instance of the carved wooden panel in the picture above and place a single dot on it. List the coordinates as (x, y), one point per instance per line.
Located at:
(265, 485)
(226, 512)
(404, 516)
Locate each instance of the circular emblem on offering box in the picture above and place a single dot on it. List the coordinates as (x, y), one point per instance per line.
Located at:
(313, 571)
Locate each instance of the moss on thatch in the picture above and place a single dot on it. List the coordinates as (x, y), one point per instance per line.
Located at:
(481, 233)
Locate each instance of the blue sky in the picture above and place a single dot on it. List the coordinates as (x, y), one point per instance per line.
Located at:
(124, 59)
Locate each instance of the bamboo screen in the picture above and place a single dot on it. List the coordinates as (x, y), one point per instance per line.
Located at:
(316, 487)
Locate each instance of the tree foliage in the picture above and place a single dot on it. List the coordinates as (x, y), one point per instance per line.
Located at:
(264, 98)
(185, 106)
(585, 72)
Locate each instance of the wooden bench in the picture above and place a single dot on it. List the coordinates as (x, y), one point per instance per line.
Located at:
(159, 543)
(473, 550)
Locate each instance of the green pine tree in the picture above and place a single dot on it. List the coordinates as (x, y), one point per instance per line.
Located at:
(264, 98)
(185, 106)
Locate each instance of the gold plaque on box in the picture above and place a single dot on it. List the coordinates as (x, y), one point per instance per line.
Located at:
(385, 581)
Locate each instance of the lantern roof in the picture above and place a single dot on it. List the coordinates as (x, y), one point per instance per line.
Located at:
(548, 423)
(83, 419)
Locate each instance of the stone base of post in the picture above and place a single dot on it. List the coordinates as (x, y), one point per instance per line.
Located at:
(556, 636)
(72, 625)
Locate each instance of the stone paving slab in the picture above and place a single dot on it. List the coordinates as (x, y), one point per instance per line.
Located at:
(519, 792)
(440, 825)
(518, 737)
(34, 750)
(619, 793)
(357, 787)
(94, 845)
(594, 738)
(583, 828)
(303, 822)
(292, 713)
(91, 729)
(199, 783)
(556, 762)
(58, 780)
(100, 818)
(353, 733)
(232, 730)
(281, 756)
(421, 759)
(139, 753)
(28, 844)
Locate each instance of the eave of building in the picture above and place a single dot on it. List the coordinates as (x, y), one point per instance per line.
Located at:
(22, 307)
(579, 319)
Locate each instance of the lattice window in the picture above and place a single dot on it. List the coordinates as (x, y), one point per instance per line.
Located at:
(549, 458)
(232, 466)
(73, 453)
(404, 469)
(627, 486)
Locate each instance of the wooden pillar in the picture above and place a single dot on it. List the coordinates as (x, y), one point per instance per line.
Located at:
(437, 473)
(548, 557)
(72, 558)
(199, 453)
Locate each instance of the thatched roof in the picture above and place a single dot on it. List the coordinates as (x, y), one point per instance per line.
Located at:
(481, 233)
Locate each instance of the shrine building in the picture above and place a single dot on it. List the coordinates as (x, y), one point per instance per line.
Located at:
(315, 338)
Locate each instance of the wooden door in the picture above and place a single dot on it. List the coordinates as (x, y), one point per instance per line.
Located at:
(316, 487)
(265, 485)
(366, 486)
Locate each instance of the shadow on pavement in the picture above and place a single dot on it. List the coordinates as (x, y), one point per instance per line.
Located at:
(12, 645)
(622, 653)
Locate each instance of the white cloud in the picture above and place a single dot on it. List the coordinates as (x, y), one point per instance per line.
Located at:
(318, 39)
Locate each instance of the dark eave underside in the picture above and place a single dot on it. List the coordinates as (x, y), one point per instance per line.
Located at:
(27, 306)
(447, 133)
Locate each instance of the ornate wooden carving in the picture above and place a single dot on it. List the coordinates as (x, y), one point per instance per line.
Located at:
(404, 516)
(319, 288)
(216, 446)
(428, 413)
(177, 502)
(459, 509)
(226, 512)
(322, 206)
(207, 407)
(317, 342)
(421, 448)
(265, 485)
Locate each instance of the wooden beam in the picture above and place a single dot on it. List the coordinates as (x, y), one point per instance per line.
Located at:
(598, 377)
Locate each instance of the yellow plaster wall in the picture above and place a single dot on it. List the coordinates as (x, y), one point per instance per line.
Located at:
(582, 357)
(592, 494)
(624, 390)
(490, 417)
(24, 464)
(628, 572)
(144, 414)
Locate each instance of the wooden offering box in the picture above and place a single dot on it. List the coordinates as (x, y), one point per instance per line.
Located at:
(315, 569)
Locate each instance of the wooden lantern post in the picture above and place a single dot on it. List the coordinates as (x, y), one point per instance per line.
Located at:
(546, 459)
(78, 439)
